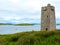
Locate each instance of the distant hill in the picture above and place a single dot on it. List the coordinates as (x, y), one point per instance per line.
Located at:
(6, 24)
(3, 24)
(23, 24)
(57, 24)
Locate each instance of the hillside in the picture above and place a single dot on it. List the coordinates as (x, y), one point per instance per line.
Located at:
(31, 38)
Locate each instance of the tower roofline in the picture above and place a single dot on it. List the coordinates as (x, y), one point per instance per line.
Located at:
(48, 4)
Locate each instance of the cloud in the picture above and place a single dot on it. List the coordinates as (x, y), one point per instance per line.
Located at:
(57, 15)
(16, 10)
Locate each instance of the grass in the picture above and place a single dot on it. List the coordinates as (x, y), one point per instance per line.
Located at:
(32, 38)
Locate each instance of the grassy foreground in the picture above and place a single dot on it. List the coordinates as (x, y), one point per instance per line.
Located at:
(31, 38)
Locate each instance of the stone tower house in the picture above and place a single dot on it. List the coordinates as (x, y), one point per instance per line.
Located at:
(48, 21)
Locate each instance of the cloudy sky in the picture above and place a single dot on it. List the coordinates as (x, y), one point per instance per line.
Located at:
(25, 11)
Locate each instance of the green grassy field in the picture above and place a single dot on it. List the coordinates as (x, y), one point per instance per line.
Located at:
(31, 38)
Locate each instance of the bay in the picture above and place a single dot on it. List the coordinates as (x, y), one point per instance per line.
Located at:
(10, 29)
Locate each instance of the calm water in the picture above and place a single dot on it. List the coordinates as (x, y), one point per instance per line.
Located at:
(15, 29)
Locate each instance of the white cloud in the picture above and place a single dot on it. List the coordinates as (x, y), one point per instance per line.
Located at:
(14, 1)
(57, 15)
(20, 9)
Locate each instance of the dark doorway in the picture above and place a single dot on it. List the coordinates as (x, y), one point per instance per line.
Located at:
(46, 29)
(47, 16)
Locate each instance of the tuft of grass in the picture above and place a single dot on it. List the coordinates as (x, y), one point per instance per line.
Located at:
(32, 38)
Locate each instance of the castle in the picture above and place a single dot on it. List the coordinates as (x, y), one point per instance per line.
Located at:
(48, 21)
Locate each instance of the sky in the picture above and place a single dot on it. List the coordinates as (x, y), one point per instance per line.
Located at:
(25, 11)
